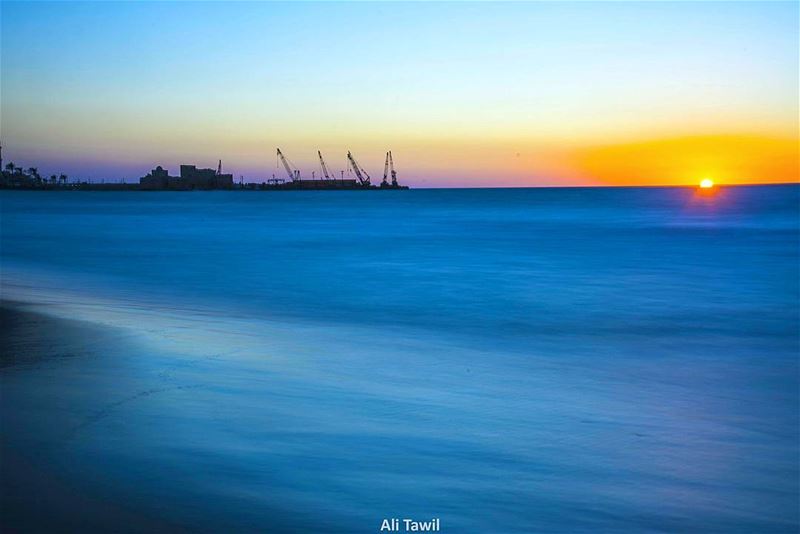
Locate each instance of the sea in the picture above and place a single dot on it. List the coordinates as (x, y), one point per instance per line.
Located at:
(502, 360)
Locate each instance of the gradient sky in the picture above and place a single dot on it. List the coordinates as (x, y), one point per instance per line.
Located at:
(465, 94)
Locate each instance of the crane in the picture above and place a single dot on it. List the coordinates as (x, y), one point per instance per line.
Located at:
(324, 167)
(384, 183)
(358, 170)
(293, 175)
(394, 174)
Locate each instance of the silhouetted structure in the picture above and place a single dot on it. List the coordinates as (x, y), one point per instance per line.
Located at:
(191, 178)
(158, 179)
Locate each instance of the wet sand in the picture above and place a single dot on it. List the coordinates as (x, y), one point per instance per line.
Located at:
(38, 494)
(62, 384)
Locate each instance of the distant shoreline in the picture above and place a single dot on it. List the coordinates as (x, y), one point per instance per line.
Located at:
(118, 186)
(192, 178)
(135, 187)
(304, 185)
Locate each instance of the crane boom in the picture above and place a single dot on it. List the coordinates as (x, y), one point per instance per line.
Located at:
(394, 174)
(292, 175)
(360, 172)
(324, 167)
(385, 170)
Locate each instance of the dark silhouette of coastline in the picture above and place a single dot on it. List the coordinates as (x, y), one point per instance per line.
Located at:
(191, 178)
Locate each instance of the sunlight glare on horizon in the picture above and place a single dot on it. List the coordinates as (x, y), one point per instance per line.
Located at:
(464, 94)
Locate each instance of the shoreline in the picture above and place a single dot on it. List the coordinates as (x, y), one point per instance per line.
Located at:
(66, 383)
(39, 492)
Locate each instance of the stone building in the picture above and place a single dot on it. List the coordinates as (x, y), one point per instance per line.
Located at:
(191, 178)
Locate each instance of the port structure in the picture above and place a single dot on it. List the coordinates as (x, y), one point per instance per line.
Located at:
(192, 178)
(360, 172)
(324, 167)
(328, 180)
(394, 174)
(294, 175)
(388, 170)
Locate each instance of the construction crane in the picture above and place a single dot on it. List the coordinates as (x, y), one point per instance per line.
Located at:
(294, 175)
(324, 167)
(384, 183)
(360, 172)
(394, 174)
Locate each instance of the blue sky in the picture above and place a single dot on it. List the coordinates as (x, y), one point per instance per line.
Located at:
(111, 89)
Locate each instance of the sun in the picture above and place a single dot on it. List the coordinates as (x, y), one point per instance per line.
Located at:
(706, 183)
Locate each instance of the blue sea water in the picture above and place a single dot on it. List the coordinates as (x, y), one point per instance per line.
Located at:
(508, 360)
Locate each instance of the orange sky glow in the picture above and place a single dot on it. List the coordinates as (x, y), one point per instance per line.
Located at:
(464, 94)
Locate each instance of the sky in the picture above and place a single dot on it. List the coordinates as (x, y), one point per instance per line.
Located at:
(475, 94)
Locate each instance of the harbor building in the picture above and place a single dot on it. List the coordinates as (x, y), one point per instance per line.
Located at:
(191, 178)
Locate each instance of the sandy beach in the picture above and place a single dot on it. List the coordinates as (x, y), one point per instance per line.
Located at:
(65, 385)
(41, 489)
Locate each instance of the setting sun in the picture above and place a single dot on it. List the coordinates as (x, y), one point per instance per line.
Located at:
(706, 183)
